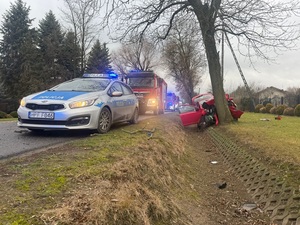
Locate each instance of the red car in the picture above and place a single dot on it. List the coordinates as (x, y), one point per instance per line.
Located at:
(203, 111)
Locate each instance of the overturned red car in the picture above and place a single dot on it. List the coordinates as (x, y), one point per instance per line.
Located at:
(203, 111)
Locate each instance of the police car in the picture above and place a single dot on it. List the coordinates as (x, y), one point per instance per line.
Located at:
(94, 102)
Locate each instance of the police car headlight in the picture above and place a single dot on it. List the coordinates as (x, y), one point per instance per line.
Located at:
(22, 102)
(81, 104)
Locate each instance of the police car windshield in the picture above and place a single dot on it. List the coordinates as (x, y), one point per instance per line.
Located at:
(141, 82)
(86, 85)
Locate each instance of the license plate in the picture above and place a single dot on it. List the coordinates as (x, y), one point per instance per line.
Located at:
(139, 95)
(41, 115)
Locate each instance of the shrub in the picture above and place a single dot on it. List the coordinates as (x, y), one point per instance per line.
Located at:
(297, 110)
(273, 110)
(246, 104)
(3, 115)
(289, 111)
(258, 107)
(14, 114)
(280, 109)
(8, 116)
(265, 103)
(269, 106)
(263, 110)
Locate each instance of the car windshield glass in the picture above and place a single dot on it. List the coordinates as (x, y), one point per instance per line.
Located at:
(88, 85)
(203, 98)
(141, 82)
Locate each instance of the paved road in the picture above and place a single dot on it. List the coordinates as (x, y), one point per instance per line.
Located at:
(14, 140)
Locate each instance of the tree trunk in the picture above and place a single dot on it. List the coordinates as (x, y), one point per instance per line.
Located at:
(216, 80)
(208, 34)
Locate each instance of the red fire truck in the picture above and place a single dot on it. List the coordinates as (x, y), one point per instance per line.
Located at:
(150, 89)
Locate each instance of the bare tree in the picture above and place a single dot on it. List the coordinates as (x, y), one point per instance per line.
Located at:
(257, 24)
(293, 96)
(184, 58)
(83, 15)
(137, 55)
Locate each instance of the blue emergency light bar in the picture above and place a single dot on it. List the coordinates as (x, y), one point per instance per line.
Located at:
(100, 75)
(140, 71)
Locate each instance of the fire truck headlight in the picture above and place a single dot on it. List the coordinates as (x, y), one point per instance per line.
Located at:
(152, 102)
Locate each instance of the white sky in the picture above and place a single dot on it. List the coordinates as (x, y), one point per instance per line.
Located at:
(284, 74)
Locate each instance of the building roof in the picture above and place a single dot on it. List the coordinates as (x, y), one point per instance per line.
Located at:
(271, 88)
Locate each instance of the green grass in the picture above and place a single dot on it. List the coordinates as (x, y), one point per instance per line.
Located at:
(7, 119)
(41, 180)
(278, 139)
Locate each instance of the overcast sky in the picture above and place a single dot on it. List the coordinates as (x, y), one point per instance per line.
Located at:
(284, 74)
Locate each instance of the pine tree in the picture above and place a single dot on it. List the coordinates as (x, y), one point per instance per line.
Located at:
(15, 30)
(50, 43)
(99, 59)
(30, 78)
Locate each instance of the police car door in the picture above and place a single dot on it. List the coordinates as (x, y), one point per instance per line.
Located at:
(131, 100)
(117, 102)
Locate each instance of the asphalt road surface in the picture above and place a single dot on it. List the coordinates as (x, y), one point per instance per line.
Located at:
(15, 141)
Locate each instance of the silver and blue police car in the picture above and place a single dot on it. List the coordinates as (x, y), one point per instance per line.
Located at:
(94, 102)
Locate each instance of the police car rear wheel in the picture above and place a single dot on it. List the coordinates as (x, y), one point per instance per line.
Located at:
(104, 122)
(135, 117)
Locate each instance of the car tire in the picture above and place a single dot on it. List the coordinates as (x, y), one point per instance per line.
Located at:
(105, 121)
(135, 117)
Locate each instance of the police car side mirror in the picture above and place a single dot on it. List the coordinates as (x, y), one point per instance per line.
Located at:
(117, 94)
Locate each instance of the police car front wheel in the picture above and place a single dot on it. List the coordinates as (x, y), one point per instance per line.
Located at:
(104, 122)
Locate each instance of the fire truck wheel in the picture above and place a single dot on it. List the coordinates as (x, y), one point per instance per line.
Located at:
(104, 122)
(135, 117)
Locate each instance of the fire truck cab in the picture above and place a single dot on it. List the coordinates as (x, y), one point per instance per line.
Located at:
(150, 89)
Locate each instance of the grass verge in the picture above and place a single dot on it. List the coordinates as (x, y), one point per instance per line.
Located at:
(104, 179)
(273, 141)
(7, 119)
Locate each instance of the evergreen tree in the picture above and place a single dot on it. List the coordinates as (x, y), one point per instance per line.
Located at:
(70, 56)
(99, 59)
(30, 78)
(50, 43)
(15, 30)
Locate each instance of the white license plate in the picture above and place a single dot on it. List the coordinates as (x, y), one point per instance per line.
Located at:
(41, 115)
(139, 95)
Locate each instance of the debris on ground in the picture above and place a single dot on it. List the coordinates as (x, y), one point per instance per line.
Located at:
(264, 119)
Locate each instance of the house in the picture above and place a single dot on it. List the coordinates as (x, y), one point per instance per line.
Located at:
(273, 95)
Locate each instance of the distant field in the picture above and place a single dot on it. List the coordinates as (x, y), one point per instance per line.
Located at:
(278, 139)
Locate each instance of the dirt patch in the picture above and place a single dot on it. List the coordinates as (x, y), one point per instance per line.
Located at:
(175, 177)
